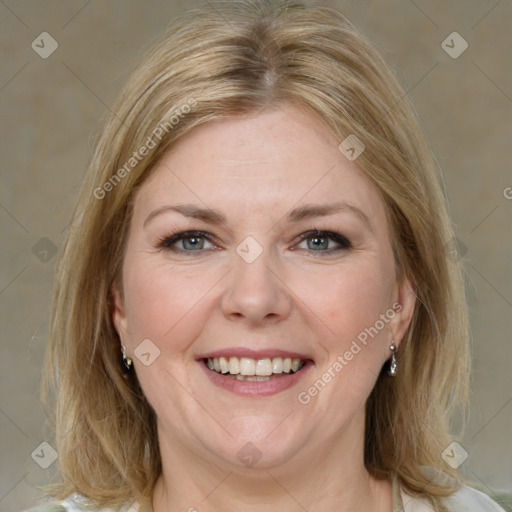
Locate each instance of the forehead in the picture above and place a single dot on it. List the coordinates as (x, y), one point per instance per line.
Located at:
(274, 159)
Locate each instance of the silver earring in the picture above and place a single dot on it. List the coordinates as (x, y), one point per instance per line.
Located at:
(392, 362)
(127, 361)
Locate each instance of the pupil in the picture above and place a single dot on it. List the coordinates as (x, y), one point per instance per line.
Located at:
(320, 242)
(193, 242)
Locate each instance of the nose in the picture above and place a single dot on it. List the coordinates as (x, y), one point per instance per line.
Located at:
(255, 293)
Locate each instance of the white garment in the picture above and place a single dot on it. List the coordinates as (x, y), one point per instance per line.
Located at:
(75, 503)
(466, 499)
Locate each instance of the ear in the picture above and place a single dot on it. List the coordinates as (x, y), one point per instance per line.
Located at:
(404, 305)
(118, 311)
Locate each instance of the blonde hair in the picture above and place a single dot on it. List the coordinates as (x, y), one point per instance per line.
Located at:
(218, 62)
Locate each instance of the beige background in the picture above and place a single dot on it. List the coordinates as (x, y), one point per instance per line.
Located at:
(51, 110)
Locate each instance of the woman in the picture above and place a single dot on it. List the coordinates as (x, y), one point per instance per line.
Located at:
(254, 310)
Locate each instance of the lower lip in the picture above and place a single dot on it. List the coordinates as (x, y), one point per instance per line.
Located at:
(256, 388)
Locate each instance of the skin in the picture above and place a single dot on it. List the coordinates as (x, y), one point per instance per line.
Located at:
(295, 296)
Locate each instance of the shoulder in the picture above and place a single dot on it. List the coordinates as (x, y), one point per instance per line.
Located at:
(78, 503)
(53, 506)
(465, 499)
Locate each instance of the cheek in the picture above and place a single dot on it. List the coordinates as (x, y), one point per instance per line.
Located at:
(349, 299)
(163, 303)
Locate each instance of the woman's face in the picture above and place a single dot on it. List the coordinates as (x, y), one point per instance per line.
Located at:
(286, 262)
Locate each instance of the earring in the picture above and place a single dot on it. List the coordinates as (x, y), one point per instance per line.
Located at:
(392, 362)
(127, 361)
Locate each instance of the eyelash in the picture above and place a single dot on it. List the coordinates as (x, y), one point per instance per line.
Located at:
(170, 239)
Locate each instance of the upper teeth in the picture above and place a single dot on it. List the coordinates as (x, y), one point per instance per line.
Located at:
(248, 366)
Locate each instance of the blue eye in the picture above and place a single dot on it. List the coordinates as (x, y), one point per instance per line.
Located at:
(323, 241)
(197, 241)
(190, 241)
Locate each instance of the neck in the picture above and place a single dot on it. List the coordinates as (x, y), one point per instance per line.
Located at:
(331, 476)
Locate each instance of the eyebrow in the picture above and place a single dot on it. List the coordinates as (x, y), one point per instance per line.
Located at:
(297, 214)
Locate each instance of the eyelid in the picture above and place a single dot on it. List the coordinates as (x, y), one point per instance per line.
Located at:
(168, 241)
(342, 241)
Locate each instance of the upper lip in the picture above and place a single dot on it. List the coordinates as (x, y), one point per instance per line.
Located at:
(253, 354)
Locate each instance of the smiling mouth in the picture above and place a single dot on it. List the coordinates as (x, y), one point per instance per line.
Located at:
(247, 369)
